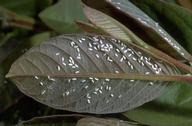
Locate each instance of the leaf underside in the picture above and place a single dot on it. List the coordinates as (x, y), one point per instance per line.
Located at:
(112, 26)
(92, 121)
(35, 74)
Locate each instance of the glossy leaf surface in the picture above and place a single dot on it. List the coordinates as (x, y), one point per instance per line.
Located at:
(161, 38)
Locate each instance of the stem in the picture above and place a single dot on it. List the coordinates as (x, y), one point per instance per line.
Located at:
(20, 22)
(11, 19)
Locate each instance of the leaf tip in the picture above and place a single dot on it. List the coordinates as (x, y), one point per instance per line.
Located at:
(8, 75)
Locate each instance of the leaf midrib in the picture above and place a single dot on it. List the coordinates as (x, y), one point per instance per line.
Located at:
(136, 76)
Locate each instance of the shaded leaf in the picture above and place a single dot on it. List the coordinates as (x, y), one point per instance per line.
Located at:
(92, 121)
(20, 111)
(171, 1)
(9, 52)
(186, 3)
(9, 18)
(24, 7)
(53, 120)
(61, 17)
(162, 40)
(2, 124)
(6, 37)
(9, 94)
(42, 4)
(91, 74)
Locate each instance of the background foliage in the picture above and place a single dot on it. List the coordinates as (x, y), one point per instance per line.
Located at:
(26, 23)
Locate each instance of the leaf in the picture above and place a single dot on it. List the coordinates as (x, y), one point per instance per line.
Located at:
(24, 7)
(92, 74)
(61, 17)
(110, 26)
(176, 20)
(39, 38)
(89, 28)
(10, 18)
(92, 121)
(186, 3)
(171, 1)
(171, 106)
(6, 37)
(107, 23)
(158, 117)
(53, 120)
(179, 95)
(162, 40)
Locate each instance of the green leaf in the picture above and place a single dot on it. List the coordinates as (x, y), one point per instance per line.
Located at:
(39, 38)
(171, 109)
(160, 38)
(61, 17)
(92, 74)
(92, 121)
(24, 7)
(154, 117)
(6, 37)
(172, 1)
